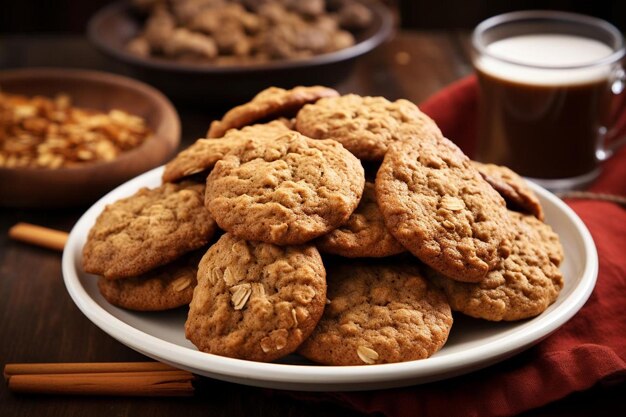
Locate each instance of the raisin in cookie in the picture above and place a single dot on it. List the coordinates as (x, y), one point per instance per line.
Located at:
(151, 228)
(440, 208)
(366, 126)
(512, 188)
(379, 313)
(163, 288)
(270, 103)
(285, 190)
(364, 235)
(254, 300)
(521, 286)
(204, 153)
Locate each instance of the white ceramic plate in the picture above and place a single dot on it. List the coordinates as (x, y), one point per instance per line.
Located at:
(473, 344)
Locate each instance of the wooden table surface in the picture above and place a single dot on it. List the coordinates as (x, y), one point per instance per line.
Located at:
(40, 323)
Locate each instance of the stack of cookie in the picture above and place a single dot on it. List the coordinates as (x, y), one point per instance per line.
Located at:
(146, 247)
(297, 172)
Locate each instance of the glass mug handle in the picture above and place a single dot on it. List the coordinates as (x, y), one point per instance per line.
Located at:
(607, 149)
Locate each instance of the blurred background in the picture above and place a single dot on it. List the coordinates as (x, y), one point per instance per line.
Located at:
(71, 16)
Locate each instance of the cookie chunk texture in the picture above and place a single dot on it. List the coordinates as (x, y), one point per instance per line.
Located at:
(163, 288)
(204, 153)
(366, 126)
(270, 103)
(522, 285)
(440, 208)
(511, 187)
(379, 313)
(151, 228)
(286, 190)
(364, 235)
(255, 300)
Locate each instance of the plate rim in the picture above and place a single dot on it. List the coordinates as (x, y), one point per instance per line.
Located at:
(307, 376)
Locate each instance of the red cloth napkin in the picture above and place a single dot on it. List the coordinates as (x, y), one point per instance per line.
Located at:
(588, 351)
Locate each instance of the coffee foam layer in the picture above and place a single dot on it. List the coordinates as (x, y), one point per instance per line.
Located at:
(547, 50)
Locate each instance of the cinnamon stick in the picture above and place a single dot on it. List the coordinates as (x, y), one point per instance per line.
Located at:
(83, 367)
(38, 235)
(119, 379)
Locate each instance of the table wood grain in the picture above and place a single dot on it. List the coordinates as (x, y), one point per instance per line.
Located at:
(40, 323)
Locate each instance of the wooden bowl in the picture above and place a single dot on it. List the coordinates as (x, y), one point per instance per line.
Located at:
(111, 28)
(34, 187)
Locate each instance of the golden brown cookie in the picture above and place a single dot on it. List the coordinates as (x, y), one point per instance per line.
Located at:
(550, 241)
(364, 235)
(440, 208)
(512, 188)
(151, 228)
(270, 103)
(255, 300)
(163, 288)
(366, 126)
(521, 286)
(379, 313)
(286, 190)
(204, 153)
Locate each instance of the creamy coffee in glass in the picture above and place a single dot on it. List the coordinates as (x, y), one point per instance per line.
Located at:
(547, 81)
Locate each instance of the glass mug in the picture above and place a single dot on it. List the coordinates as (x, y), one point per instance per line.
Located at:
(548, 86)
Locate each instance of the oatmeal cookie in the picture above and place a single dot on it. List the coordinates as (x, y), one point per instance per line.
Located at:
(151, 228)
(365, 126)
(512, 188)
(364, 235)
(268, 104)
(163, 288)
(548, 239)
(254, 300)
(379, 313)
(204, 153)
(521, 286)
(440, 208)
(286, 190)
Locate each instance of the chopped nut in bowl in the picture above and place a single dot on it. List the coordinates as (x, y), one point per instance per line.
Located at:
(40, 132)
(68, 136)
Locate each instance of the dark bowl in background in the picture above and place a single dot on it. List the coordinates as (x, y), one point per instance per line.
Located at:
(113, 26)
